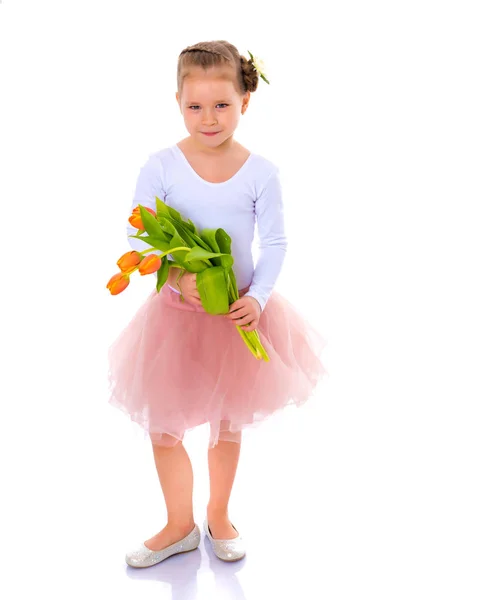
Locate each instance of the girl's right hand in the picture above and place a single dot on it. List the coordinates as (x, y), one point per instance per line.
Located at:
(187, 286)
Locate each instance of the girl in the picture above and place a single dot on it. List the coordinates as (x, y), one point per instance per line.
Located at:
(175, 367)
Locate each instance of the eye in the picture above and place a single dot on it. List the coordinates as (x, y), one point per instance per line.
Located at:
(220, 104)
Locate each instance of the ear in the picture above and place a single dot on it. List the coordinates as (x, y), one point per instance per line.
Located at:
(244, 106)
(178, 99)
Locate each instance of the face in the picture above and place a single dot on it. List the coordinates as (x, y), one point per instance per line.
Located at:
(209, 102)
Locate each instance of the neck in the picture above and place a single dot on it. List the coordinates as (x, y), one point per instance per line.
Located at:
(223, 148)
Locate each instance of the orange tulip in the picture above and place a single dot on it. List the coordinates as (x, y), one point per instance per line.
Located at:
(129, 261)
(150, 264)
(118, 283)
(135, 219)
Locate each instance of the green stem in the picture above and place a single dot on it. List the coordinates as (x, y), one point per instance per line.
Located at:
(251, 338)
(254, 339)
(260, 346)
(232, 292)
(247, 340)
(164, 253)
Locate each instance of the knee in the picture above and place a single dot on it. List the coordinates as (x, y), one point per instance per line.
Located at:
(164, 440)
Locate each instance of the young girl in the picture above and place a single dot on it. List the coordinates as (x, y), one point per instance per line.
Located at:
(175, 367)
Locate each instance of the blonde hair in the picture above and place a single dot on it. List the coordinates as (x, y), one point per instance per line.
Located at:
(218, 53)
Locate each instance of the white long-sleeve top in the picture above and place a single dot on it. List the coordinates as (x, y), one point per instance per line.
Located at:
(252, 196)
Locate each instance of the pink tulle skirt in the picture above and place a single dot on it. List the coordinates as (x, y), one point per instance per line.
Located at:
(175, 367)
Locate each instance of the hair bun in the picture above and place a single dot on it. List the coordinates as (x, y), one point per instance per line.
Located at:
(250, 75)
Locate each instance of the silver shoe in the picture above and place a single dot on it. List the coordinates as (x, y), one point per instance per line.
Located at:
(144, 557)
(228, 550)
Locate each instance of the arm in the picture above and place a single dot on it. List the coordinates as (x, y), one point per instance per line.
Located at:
(273, 240)
(149, 185)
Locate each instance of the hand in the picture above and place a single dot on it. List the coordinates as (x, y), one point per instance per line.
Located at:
(189, 291)
(245, 312)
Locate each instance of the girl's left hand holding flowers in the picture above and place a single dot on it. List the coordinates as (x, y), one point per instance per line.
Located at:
(245, 312)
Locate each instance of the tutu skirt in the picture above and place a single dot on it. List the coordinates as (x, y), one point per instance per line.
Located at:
(174, 367)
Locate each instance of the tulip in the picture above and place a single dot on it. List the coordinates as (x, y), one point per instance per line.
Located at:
(118, 283)
(135, 219)
(150, 264)
(129, 261)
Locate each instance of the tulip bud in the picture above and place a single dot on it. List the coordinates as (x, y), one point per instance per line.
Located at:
(136, 222)
(135, 219)
(150, 264)
(129, 261)
(118, 283)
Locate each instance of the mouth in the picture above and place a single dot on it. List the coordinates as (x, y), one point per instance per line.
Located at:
(210, 132)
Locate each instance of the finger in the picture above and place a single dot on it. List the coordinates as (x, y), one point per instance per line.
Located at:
(245, 320)
(237, 314)
(238, 310)
(235, 306)
(251, 327)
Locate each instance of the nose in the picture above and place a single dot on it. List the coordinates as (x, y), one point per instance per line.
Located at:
(209, 118)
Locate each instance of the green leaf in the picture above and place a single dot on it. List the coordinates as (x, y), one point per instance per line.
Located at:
(192, 264)
(209, 236)
(150, 224)
(174, 238)
(176, 218)
(224, 244)
(217, 239)
(185, 233)
(196, 266)
(162, 273)
(198, 253)
(212, 287)
(163, 210)
(174, 264)
(166, 226)
(155, 242)
(223, 240)
(193, 238)
(192, 227)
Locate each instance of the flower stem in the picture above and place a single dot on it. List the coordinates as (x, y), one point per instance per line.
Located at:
(170, 251)
(248, 341)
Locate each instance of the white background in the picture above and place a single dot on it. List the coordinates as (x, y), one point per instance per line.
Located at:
(371, 489)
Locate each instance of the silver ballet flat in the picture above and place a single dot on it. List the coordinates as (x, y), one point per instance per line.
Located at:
(144, 557)
(229, 550)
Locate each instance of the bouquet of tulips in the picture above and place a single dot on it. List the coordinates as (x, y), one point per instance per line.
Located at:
(208, 254)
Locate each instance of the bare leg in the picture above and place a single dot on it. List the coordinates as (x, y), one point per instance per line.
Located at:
(222, 462)
(176, 478)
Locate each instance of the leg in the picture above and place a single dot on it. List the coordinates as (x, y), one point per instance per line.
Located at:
(222, 462)
(176, 478)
